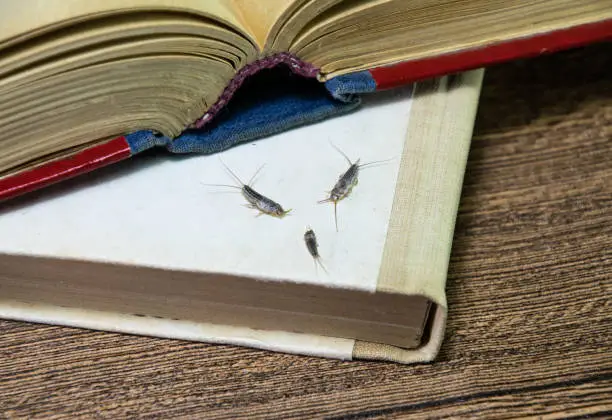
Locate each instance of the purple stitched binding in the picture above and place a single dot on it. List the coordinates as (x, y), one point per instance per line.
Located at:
(295, 64)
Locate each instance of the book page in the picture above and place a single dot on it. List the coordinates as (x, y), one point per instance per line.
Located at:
(275, 23)
(362, 34)
(260, 17)
(27, 18)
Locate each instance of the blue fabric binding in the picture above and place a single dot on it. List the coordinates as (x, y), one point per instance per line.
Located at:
(271, 102)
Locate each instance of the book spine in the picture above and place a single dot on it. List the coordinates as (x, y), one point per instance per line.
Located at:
(387, 77)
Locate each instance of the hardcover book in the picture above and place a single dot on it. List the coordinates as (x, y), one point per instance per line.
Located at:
(86, 84)
(167, 247)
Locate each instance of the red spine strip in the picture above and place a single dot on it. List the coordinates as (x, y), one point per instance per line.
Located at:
(411, 71)
(85, 161)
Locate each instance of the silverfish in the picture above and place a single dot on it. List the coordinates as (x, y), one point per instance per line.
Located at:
(256, 200)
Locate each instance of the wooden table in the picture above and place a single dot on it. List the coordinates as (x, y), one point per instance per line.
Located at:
(530, 322)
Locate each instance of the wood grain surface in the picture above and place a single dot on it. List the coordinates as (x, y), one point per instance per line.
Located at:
(530, 320)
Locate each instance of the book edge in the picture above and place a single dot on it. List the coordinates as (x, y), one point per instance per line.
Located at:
(148, 326)
(84, 161)
(547, 42)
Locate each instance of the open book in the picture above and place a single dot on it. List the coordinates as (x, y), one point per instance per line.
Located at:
(160, 249)
(78, 78)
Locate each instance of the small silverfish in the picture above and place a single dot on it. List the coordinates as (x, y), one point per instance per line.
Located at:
(313, 247)
(255, 200)
(346, 182)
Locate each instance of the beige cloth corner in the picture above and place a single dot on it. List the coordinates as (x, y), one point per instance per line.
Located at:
(421, 229)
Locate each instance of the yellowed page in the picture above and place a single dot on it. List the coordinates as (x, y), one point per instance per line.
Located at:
(123, 29)
(359, 35)
(285, 30)
(20, 19)
(260, 17)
